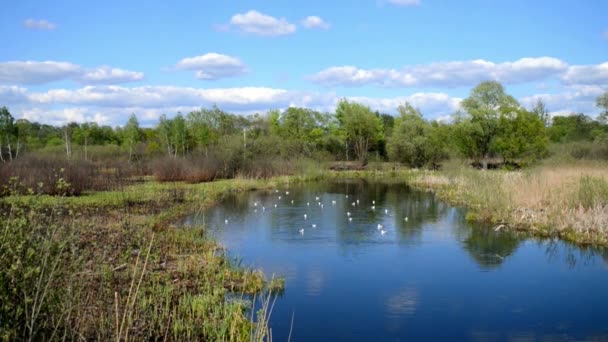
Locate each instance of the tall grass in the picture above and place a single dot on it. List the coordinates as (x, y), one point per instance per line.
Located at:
(100, 271)
(570, 200)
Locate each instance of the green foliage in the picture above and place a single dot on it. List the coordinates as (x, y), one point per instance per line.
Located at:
(490, 125)
(477, 130)
(576, 127)
(132, 134)
(37, 270)
(362, 129)
(415, 141)
(602, 103)
(521, 136)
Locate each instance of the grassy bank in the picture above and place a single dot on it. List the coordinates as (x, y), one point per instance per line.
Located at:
(110, 266)
(567, 201)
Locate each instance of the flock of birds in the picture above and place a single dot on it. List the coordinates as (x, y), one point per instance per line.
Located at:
(356, 203)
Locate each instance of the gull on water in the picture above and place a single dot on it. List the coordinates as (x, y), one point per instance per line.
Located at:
(305, 216)
(301, 231)
(314, 225)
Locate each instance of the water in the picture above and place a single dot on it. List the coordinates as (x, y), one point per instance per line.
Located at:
(433, 277)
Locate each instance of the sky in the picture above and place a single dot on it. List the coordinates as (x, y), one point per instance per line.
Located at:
(64, 61)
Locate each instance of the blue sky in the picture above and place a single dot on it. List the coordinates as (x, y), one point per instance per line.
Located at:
(100, 61)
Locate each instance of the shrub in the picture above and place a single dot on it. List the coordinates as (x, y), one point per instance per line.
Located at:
(48, 176)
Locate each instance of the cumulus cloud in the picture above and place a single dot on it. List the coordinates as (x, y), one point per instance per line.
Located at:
(432, 105)
(10, 95)
(34, 72)
(213, 66)
(256, 23)
(404, 2)
(62, 116)
(444, 74)
(109, 75)
(313, 21)
(40, 24)
(159, 96)
(575, 99)
(587, 74)
(149, 102)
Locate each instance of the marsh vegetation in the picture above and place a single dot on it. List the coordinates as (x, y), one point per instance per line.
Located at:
(88, 244)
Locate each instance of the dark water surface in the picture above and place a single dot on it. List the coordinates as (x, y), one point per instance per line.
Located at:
(434, 277)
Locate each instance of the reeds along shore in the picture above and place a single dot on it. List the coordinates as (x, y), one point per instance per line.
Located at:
(111, 266)
(569, 201)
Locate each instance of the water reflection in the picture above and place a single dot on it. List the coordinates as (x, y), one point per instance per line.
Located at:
(346, 280)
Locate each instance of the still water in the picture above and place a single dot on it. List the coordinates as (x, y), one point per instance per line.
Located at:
(423, 274)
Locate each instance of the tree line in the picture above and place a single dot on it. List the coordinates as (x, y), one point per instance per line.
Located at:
(490, 125)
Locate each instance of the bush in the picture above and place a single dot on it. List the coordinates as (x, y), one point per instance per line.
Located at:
(48, 176)
(194, 170)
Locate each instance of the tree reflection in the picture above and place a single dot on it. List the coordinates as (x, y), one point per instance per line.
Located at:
(490, 248)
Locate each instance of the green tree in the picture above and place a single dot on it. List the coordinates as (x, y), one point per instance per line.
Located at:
(541, 111)
(477, 129)
(361, 127)
(8, 132)
(132, 135)
(408, 142)
(415, 141)
(522, 136)
(602, 103)
(300, 129)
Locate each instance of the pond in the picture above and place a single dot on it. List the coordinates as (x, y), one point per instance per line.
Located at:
(377, 261)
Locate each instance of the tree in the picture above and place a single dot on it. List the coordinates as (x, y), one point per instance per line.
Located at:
(541, 111)
(415, 141)
(132, 134)
(299, 128)
(522, 136)
(602, 103)
(174, 135)
(361, 127)
(409, 139)
(7, 132)
(477, 129)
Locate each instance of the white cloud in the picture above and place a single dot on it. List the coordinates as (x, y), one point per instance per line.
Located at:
(444, 74)
(404, 2)
(254, 22)
(313, 21)
(575, 99)
(10, 95)
(108, 75)
(113, 103)
(31, 72)
(432, 105)
(41, 24)
(160, 96)
(587, 74)
(34, 72)
(213, 66)
(62, 116)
